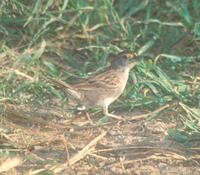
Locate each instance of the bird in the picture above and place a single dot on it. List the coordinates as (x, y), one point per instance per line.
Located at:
(104, 88)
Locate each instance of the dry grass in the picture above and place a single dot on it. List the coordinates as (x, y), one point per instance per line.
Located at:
(41, 133)
(74, 146)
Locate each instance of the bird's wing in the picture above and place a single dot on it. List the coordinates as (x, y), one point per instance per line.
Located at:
(106, 80)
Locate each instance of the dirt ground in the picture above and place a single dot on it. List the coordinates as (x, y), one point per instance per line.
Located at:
(47, 141)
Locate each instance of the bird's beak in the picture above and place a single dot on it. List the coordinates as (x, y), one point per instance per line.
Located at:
(133, 60)
(133, 64)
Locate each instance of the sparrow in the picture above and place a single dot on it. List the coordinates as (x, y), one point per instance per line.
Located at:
(102, 89)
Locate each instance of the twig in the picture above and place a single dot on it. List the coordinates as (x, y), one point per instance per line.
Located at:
(143, 116)
(10, 163)
(24, 75)
(155, 157)
(86, 150)
(4, 99)
(132, 147)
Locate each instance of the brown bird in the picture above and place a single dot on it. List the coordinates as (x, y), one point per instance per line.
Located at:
(103, 89)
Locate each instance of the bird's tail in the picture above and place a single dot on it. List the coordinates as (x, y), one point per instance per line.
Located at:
(68, 88)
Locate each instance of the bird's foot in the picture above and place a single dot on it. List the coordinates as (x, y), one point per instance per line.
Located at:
(88, 118)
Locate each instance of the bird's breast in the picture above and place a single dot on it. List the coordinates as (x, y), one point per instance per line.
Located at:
(123, 78)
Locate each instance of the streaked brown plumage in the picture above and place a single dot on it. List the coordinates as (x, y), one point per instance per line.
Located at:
(103, 89)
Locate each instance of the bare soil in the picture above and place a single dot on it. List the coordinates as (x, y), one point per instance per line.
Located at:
(52, 141)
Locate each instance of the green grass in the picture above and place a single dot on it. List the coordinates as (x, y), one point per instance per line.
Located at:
(41, 37)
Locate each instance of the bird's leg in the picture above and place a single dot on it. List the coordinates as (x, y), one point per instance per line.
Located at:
(88, 117)
(105, 112)
(83, 108)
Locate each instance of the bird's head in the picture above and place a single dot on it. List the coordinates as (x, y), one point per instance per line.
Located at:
(125, 59)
